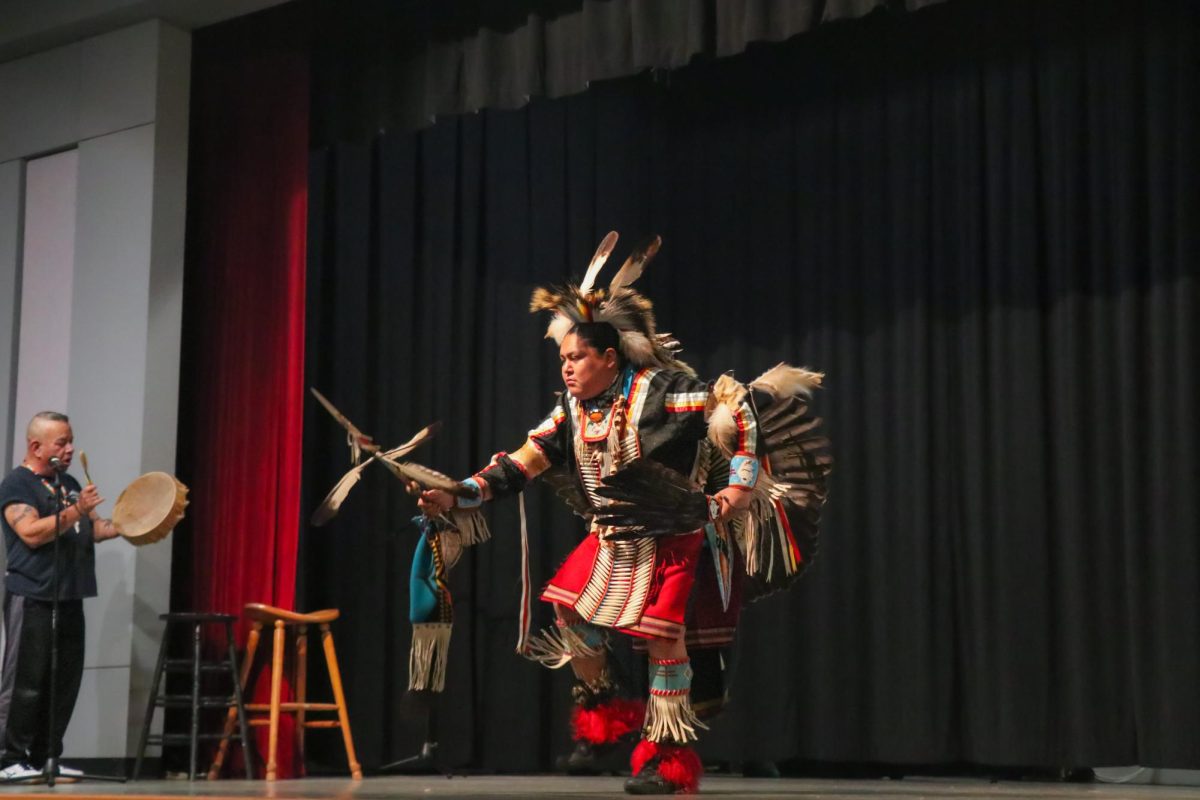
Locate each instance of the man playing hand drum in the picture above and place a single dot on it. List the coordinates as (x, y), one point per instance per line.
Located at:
(28, 501)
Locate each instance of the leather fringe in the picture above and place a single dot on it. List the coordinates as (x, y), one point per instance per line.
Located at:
(670, 718)
(428, 656)
(471, 525)
(554, 647)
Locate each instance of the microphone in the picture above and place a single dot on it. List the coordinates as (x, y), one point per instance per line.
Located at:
(57, 464)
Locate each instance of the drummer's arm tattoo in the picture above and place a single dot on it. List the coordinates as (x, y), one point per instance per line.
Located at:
(34, 529)
(18, 512)
(103, 528)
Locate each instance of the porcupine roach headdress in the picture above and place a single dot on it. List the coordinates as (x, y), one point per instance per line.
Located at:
(620, 305)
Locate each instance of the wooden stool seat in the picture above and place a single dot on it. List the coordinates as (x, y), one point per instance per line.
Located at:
(281, 620)
(267, 615)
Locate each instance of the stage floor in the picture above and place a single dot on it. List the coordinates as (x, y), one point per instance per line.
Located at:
(483, 786)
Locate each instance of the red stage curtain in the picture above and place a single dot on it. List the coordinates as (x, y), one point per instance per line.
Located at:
(242, 374)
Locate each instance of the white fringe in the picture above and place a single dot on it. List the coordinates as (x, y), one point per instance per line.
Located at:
(671, 718)
(763, 514)
(615, 433)
(428, 656)
(749, 543)
(554, 648)
(471, 525)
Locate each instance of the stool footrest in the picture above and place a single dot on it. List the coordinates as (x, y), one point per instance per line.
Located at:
(185, 665)
(185, 701)
(185, 738)
(292, 706)
(262, 722)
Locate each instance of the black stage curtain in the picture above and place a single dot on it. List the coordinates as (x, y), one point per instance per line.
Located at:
(980, 220)
(382, 64)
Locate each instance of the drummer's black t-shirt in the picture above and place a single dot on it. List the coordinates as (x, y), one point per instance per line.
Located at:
(30, 571)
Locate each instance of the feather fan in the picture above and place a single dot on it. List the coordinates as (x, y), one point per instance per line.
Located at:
(429, 478)
(337, 495)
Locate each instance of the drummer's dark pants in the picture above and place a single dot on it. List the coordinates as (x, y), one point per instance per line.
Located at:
(27, 735)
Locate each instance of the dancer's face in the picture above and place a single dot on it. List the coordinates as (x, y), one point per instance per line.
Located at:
(586, 371)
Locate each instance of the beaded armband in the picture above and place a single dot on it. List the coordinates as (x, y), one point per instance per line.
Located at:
(468, 503)
(743, 471)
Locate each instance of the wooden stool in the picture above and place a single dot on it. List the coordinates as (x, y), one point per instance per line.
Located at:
(261, 615)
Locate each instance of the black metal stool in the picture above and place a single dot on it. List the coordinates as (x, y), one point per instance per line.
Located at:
(195, 701)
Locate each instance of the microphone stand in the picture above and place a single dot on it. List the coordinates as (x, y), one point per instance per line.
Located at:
(424, 703)
(422, 763)
(51, 767)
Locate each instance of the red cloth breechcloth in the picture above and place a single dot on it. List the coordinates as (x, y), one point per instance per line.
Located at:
(671, 572)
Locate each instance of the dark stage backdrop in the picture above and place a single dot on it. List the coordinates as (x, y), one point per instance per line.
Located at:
(387, 65)
(981, 221)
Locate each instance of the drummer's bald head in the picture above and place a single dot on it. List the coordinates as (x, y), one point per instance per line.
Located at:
(42, 419)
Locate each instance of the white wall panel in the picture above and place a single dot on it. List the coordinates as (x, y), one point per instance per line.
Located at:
(12, 175)
(111, 303)
(121, 99)
(82, 90)
(47, 275)
(39, 96)
(117, 89)
(103, 697)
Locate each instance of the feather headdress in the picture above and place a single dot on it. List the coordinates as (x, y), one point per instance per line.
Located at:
(618, 304)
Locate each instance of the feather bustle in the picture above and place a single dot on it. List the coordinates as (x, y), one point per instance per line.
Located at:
(783, 380)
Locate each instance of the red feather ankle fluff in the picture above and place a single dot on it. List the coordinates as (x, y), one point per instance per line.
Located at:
(607, 722)
(677, 764)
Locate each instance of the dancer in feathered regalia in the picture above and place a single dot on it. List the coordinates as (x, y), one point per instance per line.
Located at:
(682, 483)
